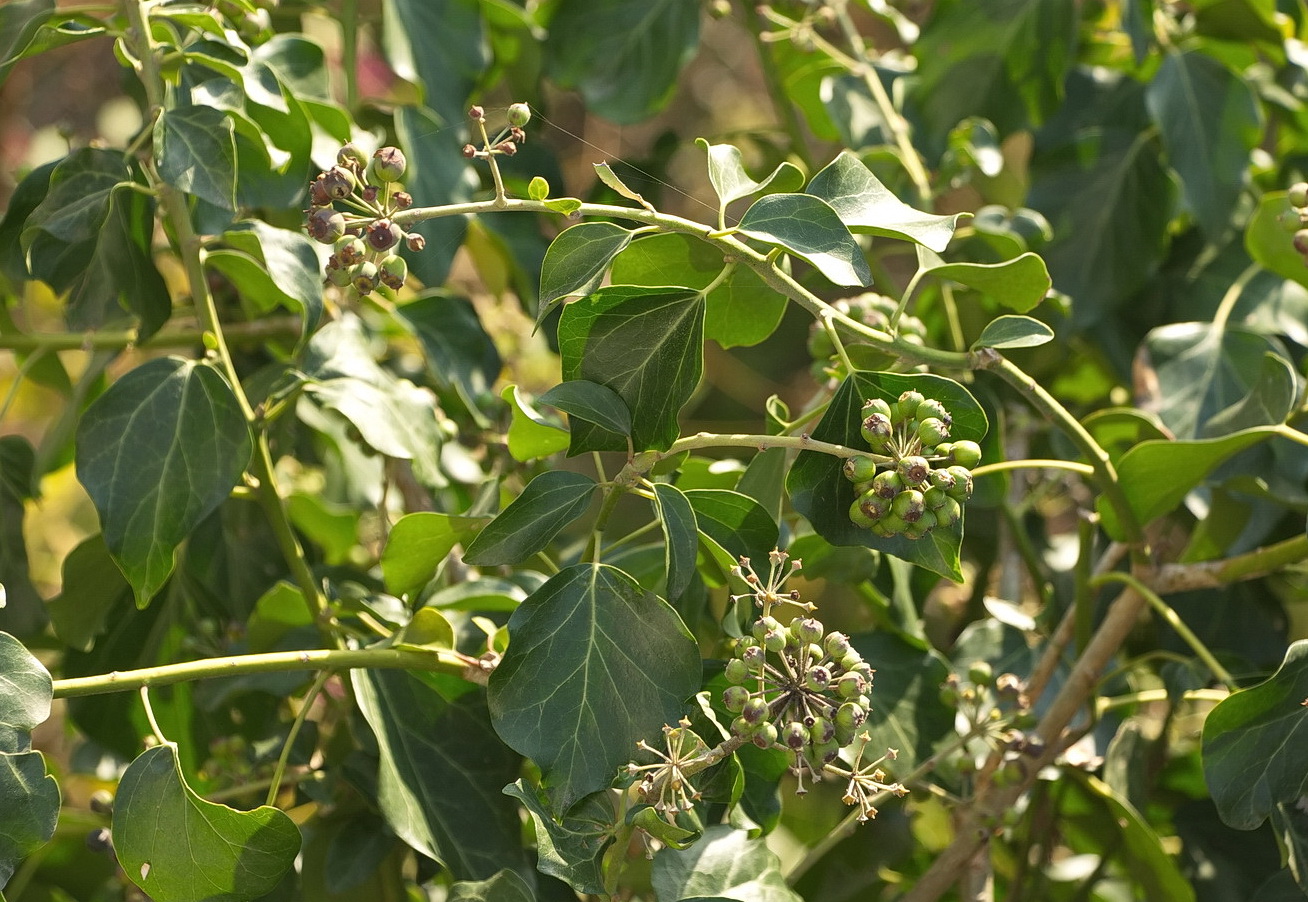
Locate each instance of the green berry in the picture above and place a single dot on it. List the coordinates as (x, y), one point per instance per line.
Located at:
(753, 657)
(931, 432)
(1298, 195)
(519, 115)
(765, 625)
(754, 711)
(822, 754)
(908, 506)
(942, 479)
(877, 430)
(388, 164)
(364, 277)
(352, 157)
(914, 531)
(948, 513)
(736, 671)
(913, 469)
(981, 673)
(765, 736)
(890, 525)
(776, 640)
(965, 454)
(860, 468)
(850, 685)
(930, 407)
(877, 405)
(734, 698)
(795, 735)
(962, 489)
(810, 630)
(850, 661)
(887, 484)
(741, 727)
(851, 714)
(908, 403)
(836, 645)
(393, 271)
(934, 498)
(326, 225)
(822, 731)
(818, 678)
(863, 518)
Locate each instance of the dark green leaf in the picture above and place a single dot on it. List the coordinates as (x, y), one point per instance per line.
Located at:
(22, 611)
(595, 663)
(441, 769)
(180, 848)
(809, 228)
(505, 886)
(727, 174)
(19, 23)
(440, 44)
(1004, 61)
(195, 150)
(680, 534)
(644, 344)
(1018, 284)
(1270, 400)
(418, 544)
(1253, 745)
(737, 522)
(530, 436)
(289, 273)
(1209, 120)
(571, 849)
(591, 402)
(864, 204)
(820, 492)
(459, 352)
(741, 310)
(1156, 476)
(92, 588)
(548, 504)
(25, 693)
(29, 808)
(577, 260)
(438, 174)
(157, 452)
(727, 864)
(907, 713)
(1290, 822)
(624, 56)
(1009, 331)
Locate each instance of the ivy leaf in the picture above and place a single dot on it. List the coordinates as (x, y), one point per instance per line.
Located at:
(29, 808)
(157, 453)
(1209, 121)
(864, 204)
(624, 56)
(179, 848)
(530, 436)
(440, 44)
(819, 490)
(907, 713)
(505, 886)
(548, 504)
(441, 766)
(195, 150)
(809, 228)
(727, 174)
(417, 545)
(1019, 284)
(1009, 331)
(644, 344)
(571, 849)
(735, 521)
(725, 864)
(576, 261)
(1253, 743)
(681, 538)
(595, 663)
(25, 693)
(591, 402)
(290, 272)
(460, 355)
(1270, 401)
(1268, 237)
(19, 24)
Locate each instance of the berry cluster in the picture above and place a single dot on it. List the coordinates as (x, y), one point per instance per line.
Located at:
(365, 238)
(1298, 196)
(873, 310)
(916, 479)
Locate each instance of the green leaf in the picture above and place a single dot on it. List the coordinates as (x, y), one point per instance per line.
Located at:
(571, 849)
(727, 174)
(1156, 476)
(29, 808)
(290, 273)
(180, 848)
(19, 23)
(907, 713)
(1290, 823)
(864, 204)
(92, 588)
(624, 56)
(681, 537)
(195, 151)
(1269, 237)
(741, 310)
(418, 544)
(538, 188)
(591, 402)
(809, 228)
(546, 506)
(439, 175)
(644, 344)
(1253, 745)
(157, 453)
(1019, 284)
(819, 490)
(22, 611)
(606, 175)
(440, 44)
(1009, 331)
(1209, 120)
(595, 663)
(577, 260)
(442, 769)
(735, 521)
(460, 355)
(725, 864)
(25, 693)
(505, 886)
(530, 436)
(1003, 61)
(1270, 401)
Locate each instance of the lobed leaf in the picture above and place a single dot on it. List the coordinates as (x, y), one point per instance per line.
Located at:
(571, 848)
(809, 228)
(726, 171)
(195, 151)
(546, 506)
(864, 204)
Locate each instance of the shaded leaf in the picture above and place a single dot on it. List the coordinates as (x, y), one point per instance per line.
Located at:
(571, 849)
(577, 260)
(595, 663)
(591, 402)
(157, 453)
(460, 355)
(809, 228)
(735, 521)
(530, 436)
(19, 23)
(417, 545)
(1009, 331)
(29, 807)
(1019, 284)
(546, 506)
(907, 713)
(505, 886)
(681, 537)
(442, 767)
(22, 611)
(727, 174)
(1268, 237)
(864, 204)
(195, 151)
(25, 693)
(1269, 402)
(180, 848)
(289, 271)
(441, 44)
(726, 863)
(93, 586)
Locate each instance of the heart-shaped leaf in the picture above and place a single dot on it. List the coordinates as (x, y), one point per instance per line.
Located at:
(577, 260)
(595, 663)
(808, 227)
(1018, 284)
(735, 521)
(1010, 331)
(548, 504)
(572, 848)
(864, 204)
(727, 174)
(179, 848)
(591, 402)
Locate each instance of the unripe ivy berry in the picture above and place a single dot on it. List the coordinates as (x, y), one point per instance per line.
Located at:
(763, 626)
(736, 671)
(352, 157)
(349, 250)
(383, 235)
(890, 525)
(962, 489)
(776, 640)
(930, 407)
(931, 432)
(326, 225)
(765, 736)
(948, 513)
(822, 731)
(364, 277)
(810, 630)
(318, 195)
(1301, 241)
(339, 182)
(866, 511)
(908, 403)
(914, 469)
(519, 114)
(339, 275)
(851, 714)
(734, 698)
(795, 735)
(755, 710)
(877, 405)
(850, 685)
(393, 271)
(1298, 195)
(742, 727)
(942, 479)
(818, 678)
(753, 657)
(836, 645)
(965, 454)
(388, 164)
(402, 200)
(908, 506)
(934, 498)
(877, 430)
(860, 468)
(850, 661)
(887, 484)
(102, 802)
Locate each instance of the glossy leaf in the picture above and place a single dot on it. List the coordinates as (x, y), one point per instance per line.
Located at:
(441, 44)
(25, 693)
(441, 768)
(1019, 284)
(29, 807)
(1252, 745)
(179, 848)
(595, 663)
(577, 260)
(460, 355)
(1209, 120)
(530, 436)
(737, 522)
(158, 452)
(864, 204)
(195, 151)
(624, 56)
(819, 490)
(907, 713)
(418, 544)
(546, 506)
(604, 172)
(809, 228)
(740, 310)
(571, 849)
(727, 174)
(1156, 476)
(19, 23)
(726, 863)
(1270, 401)
(591, 402)
(505, 886)
(288, 272)
(644, 344)
(1011, 331)
(680, 537)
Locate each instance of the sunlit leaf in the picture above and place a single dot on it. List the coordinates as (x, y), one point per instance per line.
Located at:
(546, 506)
(195, 150)
(809, 228)
(864, 204)
(726, 170)
(1011, 331)
(530, 436)
(577, 260)
(418, 544)
(727, 864)
(1019, 284)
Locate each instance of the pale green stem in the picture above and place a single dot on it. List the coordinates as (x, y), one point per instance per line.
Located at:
(1232, 296)
(276, 783)
(19, 377)
(255, 332)
(1287, 431)
(830, 327)
(1146, 696)
(149, 715)
(1214, 574)
(1034, 464)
